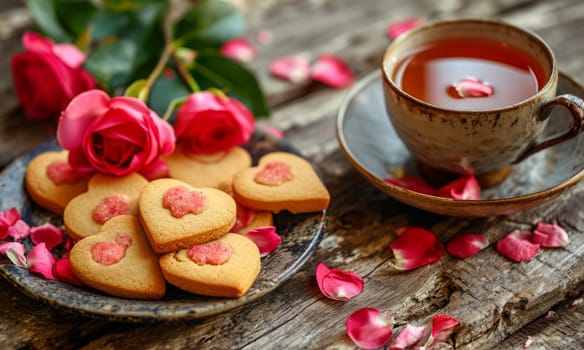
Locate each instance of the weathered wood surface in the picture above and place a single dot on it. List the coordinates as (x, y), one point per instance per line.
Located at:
(499, 303)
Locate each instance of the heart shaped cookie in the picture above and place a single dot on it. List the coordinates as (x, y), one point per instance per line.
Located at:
(176, 215)
(281, 181)
(207, 170)
(106, 197)
(51, 182)
(226, 267)
(119, 261)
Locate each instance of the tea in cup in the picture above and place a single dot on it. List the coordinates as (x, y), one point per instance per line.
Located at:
(473, 96)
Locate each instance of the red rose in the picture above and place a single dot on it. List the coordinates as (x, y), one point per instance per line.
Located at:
(206, 123)
(47, 76)
(116, 136)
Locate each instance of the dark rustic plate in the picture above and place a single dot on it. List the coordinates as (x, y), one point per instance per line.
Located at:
(300, 236)
(372, 146)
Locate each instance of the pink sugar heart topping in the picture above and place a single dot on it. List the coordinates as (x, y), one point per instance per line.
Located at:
(213, 253)
(60, 172)
(275, 173)
(112, 206)
(180, 201)
(111, 252)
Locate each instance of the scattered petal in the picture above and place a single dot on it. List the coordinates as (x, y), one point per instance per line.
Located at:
(265, 238)
(472, 87)
(19, 230)
(368, 328)
(244, 217)
(239, 49)
(40, 260)
(338, 284)
(528, 342)
(50, 234)
(291, 68)
(272, 130)
(466, 245)
(550, 236)
(517, 246)
(464, 188)
(398, 28)
(576, 302)
(415, 247)
(409, 336)
(62, 272)
(264, 36)
(332, 71)
(7, 219)
(550, 314)
(413, 183)
(14, 251)
(442, 328)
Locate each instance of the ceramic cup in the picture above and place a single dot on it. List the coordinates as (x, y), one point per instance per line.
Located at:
(479, 141)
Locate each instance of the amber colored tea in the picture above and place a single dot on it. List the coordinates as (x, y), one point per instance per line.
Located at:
(433, 73)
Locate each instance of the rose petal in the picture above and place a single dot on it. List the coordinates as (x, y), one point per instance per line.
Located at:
(412, 183)
(528, 342)
(62, 272)
(409, 336)
(442, 327)
(517, 246)
(337, 284)
(264, 36)
(19, 230)
(69, 54)
(332, 71)
(466, 245)
(14, 251)
(398, 28)
(239, 49)
(50, 234)
(415, 247)
(265, 238)
(272, 130)
(8, 218)
(244, 217)
(473, 87)
(464, 188)
(290, 68)
(550, 236)
(368, 329)
(156, 170)
(40, 260)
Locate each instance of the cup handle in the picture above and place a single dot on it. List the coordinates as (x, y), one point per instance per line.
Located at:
(576, 107)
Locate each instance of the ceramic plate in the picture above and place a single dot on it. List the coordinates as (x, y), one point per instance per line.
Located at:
(372, 146)
(300, 236)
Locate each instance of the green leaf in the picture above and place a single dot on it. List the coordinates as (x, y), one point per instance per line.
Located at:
(135, 89)
(165, 90)
(112, 64)
(213, 70)
(210, 24)
(45, 16)
(75, 16)
(128, 5)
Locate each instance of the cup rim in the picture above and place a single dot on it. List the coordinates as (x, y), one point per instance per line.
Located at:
(405, 36)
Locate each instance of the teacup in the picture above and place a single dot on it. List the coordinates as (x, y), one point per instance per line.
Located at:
(476, 135)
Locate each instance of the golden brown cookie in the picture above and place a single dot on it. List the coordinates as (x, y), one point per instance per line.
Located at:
(106, 197)
(226, 267)
(207, 170)
(176, 215)
(119, 261)
(51, 182)
(281, 181)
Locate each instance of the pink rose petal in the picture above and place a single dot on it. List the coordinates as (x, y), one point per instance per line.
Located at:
(239, 49)
(466, 245)
(550, 236)
(442, 328)
(272, 130)
(265, 238)
(464, 188)
(244, 217)
(398, 28)
(415, 247)
(409, 336)
(8, 218)
(517, 246)
(412, 183)
(472, 87)
(50, 234)
(264, 36)
(528, 342)
(19, 230)
(14, 251)
(332, 71)
(338, 284)
(368, 328)
(290, 68)
(40, 260)
(62, 272)
(157, 170)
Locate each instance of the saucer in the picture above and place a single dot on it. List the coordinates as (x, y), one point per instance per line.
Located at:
(370, 143)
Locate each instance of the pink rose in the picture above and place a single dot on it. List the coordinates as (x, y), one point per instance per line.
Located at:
(116, 136)
(207, 123)
(47, 76)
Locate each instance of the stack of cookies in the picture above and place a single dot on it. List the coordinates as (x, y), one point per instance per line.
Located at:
(134, 236)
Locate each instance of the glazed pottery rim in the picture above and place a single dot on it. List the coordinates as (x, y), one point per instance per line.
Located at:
(372, 77)
(554, 72)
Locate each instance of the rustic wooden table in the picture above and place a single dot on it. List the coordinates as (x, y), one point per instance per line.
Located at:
(499, 303)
